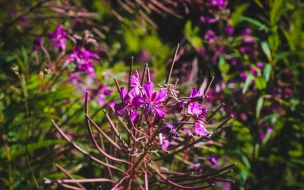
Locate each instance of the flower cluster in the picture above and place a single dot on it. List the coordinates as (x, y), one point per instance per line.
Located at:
(82, 58)
(157, 105)
(58, 38)
(145, 114)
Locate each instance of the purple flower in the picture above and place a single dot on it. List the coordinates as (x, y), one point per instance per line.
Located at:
(169, 130)
(213, 160)
(37, 44)
(102, 92)
(11, 11)
(199, 128)
(143, 57)
(135, 81)
(83, 59)
(24, 20)
(229, 30)
(74, 79)
(259, 65)
(210, 36)
(193, 106)
(125, 108)
(243, 75)
(151, 100)
(58, 38)
(247, 32)
(220, 4)
(165, 143)
(202, 51)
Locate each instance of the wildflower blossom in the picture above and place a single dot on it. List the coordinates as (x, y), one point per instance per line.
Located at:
(126, 108)
(152, 101)
(194, 107)
(58, 38)
(169, 129)
(83, 59)
(134, 81)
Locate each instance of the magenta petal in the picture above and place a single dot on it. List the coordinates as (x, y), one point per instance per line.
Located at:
(134, 116)
(161, 95)
(194, 108)
(159, 112)
(138, 101)
(123, 94)
(133, 93)
(194, 92)
(149, 89)
(120, 108)
(200, 129)
(134, 80)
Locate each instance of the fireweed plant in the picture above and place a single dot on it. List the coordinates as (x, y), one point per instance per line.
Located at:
(160, 126)
(78, 60)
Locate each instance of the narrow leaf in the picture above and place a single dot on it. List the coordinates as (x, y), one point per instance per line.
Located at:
(267, 71)
(247, 83)
(260, 83)
(259, 106)
(266, 50)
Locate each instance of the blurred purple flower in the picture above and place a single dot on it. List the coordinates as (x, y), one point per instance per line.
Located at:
(259, 65)
(37, 44)
(220, 4)
(169, 129)
(24, 20)
(143, 57)
(243, 75)
(207, 20)
(74, 79)
(11, 12)
(83, 59)
(210, 36)
(102, 92)
(165, 142)
(58, 38)
(202, 51)
(229, 30)
(213, 160)
(152, 101)
(247, 32)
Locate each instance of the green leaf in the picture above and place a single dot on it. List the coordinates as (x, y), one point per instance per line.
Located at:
(223, 66)
(258, 2)
(267, 71)
(21, 148)
(259, 106)
(273, 39)
(276, 11)
(255, 22)
(247, 83)
(236, 15)
(266, 50)
(260, 83)
(188, 27)
(25, 56)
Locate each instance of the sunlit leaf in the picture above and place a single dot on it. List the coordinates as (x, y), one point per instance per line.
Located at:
(266, 50)
(259, 106)
(247, 83)
(267, 71)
